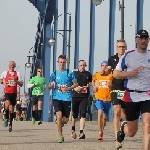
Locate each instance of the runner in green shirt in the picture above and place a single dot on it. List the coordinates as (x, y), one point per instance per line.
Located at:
(38, 84)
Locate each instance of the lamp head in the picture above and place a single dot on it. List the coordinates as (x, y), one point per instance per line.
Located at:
(96, 2)
(28, 65)
(51, 41)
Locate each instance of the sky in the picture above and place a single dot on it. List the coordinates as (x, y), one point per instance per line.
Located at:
(18, 26)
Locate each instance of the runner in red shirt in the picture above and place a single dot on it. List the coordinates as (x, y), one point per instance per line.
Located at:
(10, 80)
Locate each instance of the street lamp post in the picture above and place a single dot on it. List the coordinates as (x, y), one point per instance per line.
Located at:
(121, 7)
(52, 41)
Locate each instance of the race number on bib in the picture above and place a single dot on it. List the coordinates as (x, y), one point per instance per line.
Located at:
(38, 92)
(11, 83)
(120, 94)
(60, 87)
(103, 83)
(83, 89)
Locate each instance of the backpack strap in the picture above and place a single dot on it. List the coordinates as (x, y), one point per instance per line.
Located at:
(67, 74)
(55, 75)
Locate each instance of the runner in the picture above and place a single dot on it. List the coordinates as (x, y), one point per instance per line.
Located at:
(137, 83)
(80, 97)
(62, 81)
(24, 105)
(10, 80)
(117, 85)
(38, 84)
(102, 95)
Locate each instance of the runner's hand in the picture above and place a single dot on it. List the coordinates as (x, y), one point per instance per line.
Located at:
(53, 84)
(77, 89)
(36, 83)
(5, 84)
(88, 85)
(102, 72)
(95, 89)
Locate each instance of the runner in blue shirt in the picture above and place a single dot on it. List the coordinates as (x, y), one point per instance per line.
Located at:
(62, 81)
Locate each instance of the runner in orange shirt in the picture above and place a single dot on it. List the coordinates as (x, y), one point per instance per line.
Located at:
(101, 84)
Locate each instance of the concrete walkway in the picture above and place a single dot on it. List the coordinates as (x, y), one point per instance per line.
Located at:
(26, 136)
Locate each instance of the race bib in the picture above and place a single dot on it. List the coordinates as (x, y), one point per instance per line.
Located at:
(120, 94)
(103, 83)
(60, 87)
(11, 83)
(38, 92)
(148, 92)
(83, 89)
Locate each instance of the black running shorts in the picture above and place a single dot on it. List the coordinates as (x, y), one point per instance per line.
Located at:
(11, 97)
(63, 106)
(133, 109)
(35, 99)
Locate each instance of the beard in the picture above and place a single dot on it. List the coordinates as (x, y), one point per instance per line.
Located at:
(143, 47)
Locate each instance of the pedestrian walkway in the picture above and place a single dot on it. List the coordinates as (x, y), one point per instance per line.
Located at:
(44, 137)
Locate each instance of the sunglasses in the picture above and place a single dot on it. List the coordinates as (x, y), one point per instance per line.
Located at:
(39, 71)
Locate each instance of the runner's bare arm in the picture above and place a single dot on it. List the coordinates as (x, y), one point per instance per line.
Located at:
(74, 85)
(20, 83)
(1, 81)
(124, 74)
(51, 85)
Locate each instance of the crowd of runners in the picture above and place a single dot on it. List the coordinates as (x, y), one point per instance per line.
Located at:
(123, 81)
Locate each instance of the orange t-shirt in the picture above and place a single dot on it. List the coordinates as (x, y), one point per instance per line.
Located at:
(103, 92)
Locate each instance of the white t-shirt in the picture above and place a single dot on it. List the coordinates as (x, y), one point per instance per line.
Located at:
(133, 60)
(25, 101)
(3, 75)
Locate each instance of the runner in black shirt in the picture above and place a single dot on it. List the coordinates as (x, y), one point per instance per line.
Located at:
(80, 97)
(117, 85)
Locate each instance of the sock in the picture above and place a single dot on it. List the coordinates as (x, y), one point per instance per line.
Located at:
(39, 115)
(81, 131)
(11, 118)
(7, 114)
(33, 113)
(73, 128)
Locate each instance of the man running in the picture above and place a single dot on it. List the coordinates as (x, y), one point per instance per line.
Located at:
(62, 81)
(137, 83)
(102, 95)
(11, 79)
(117, 85)
(38, 83)
(80, 97)
(24, 105)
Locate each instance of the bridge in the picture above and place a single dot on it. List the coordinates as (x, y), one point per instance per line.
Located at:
(94, 30)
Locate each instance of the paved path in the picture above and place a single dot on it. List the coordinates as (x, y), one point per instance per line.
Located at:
(44, 137)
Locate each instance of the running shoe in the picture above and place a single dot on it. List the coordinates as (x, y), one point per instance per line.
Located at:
(100, 136)
(82, 136)
(73, 135)
(33, 121)
(61, 140)
(39, 122)
(5, 123)
(118, 145)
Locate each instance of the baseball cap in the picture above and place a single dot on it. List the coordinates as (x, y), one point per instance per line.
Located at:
(141, 33)
(104, 62)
